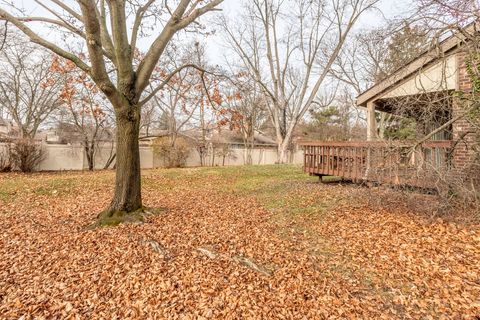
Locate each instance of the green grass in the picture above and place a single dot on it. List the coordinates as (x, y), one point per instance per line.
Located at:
(48, 184)
(281, 189)
(56, 186)
(273, 186)
(4, 196)
(9, 188)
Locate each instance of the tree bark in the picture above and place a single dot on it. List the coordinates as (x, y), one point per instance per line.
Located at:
(89, 156)
(283, 145)
(127, 195)
(282, 153)
(110, 160)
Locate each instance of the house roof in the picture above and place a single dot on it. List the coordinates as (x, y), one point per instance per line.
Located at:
(429, 57)
(215, 136)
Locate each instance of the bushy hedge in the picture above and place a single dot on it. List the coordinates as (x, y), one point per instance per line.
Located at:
(21, 154)
(174, 155)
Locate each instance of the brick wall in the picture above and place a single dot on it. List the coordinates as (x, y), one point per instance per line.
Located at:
(463, 151)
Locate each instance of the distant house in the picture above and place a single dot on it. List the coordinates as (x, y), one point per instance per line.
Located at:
(235, 139)
(214, 136)
(7, 129)
(429, 81)
(4, 127)
(50, 136)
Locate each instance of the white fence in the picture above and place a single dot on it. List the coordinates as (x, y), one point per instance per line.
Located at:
(72, 157)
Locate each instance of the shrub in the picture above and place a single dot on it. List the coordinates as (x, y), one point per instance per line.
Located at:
(224, 151)
(5, 165)
(25, 154)
(173, 155)
(464, 188)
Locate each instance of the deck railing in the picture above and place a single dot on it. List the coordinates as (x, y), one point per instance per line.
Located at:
(379, 161)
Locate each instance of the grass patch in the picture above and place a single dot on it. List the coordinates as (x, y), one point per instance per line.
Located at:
(56, 186)
(4, 196)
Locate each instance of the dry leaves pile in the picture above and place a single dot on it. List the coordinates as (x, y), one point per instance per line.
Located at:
(216, 252)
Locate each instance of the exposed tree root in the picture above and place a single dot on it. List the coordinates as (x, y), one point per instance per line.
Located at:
(157, 247)
(238, 259)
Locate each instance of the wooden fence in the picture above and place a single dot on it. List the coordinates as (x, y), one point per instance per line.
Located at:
(382, 162)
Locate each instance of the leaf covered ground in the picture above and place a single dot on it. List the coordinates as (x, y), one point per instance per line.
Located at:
(229, 243)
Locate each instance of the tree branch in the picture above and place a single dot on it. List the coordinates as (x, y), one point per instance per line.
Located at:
(136, 25)
(121, 45)
(147, 65)
(72, 12)
(169, 77)
(43, 42)
(94, 45)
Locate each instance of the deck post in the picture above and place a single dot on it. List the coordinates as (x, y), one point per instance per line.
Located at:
(371, 136)
(371, 121)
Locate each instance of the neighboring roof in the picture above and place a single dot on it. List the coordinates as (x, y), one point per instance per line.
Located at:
(153, 133)
(160, 133)
(215, 136)
(428, 57)
(261, 138)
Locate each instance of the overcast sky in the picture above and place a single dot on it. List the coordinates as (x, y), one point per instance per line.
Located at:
(215, 51)
(388, 9)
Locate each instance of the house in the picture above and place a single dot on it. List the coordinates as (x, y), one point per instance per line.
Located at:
(4, 127)
(428, 85)
(7, 129)
(213, 136)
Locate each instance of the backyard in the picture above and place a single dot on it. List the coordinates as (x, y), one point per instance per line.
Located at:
(248, 242)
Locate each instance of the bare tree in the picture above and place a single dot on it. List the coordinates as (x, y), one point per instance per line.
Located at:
(334, 121)
(181, 97)
(375, 54)
(29, 92)
(245, 98)
(85, 113)
(3, 35)
(150, 119)
(110, 31)
(372, 55)
(289, 49)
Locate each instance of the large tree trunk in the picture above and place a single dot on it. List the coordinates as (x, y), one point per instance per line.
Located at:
(282, 153)
(127, 200)
(250, 146)
(90, 154)
(90, 160)
(283, 145)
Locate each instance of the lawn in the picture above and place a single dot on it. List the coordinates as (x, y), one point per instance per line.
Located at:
(254, 242)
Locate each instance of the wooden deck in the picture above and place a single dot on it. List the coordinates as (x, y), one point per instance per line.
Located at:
(380, 161)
